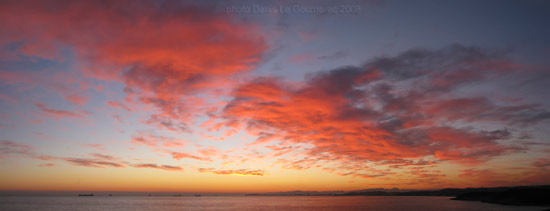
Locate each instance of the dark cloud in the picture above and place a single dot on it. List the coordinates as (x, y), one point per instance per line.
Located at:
(452, 59)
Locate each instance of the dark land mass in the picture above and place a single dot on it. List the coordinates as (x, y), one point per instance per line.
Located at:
(516, 196)
(521, 195)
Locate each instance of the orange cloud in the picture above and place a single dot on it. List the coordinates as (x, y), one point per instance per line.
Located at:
(242, 172)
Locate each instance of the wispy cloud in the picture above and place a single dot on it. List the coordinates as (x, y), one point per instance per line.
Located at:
(155, 166)
(92, 162)
(242, 172)
(55, 113)
(181, 155)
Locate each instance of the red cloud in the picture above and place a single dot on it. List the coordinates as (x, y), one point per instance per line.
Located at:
(355, 115)
(311, 115)
(242, 172)
(163, 51)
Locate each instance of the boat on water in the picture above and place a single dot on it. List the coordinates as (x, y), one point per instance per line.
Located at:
(91, 194)
(197, 195)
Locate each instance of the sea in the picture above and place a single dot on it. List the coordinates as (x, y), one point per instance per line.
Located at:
(279, 203)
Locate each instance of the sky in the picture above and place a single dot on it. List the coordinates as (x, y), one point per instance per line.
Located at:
(266, 96)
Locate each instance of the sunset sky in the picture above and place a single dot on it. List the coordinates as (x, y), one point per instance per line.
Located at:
(264, 96)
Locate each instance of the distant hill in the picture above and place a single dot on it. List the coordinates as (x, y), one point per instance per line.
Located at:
(442, 192)
(521, 195)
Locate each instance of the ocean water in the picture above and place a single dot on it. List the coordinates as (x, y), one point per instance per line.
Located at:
(285, 203)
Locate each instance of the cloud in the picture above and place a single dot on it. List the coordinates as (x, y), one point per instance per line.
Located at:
(155, 166)
(181, 155)
(157, 140)
(489, 177)
(399, 163)
(446, 67)
(241, 172)
(92, 162)
(10, 148)
(395, 111)
(46, 165)
(542, 163)
(57, 114)
(104, 157)
(118, 105)
(423, 173)
(481, 109)
(77, 99)
(95, 146)
(164, 52)
(406, 107)
(95, 160)
(211, 152)
(167, 122)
